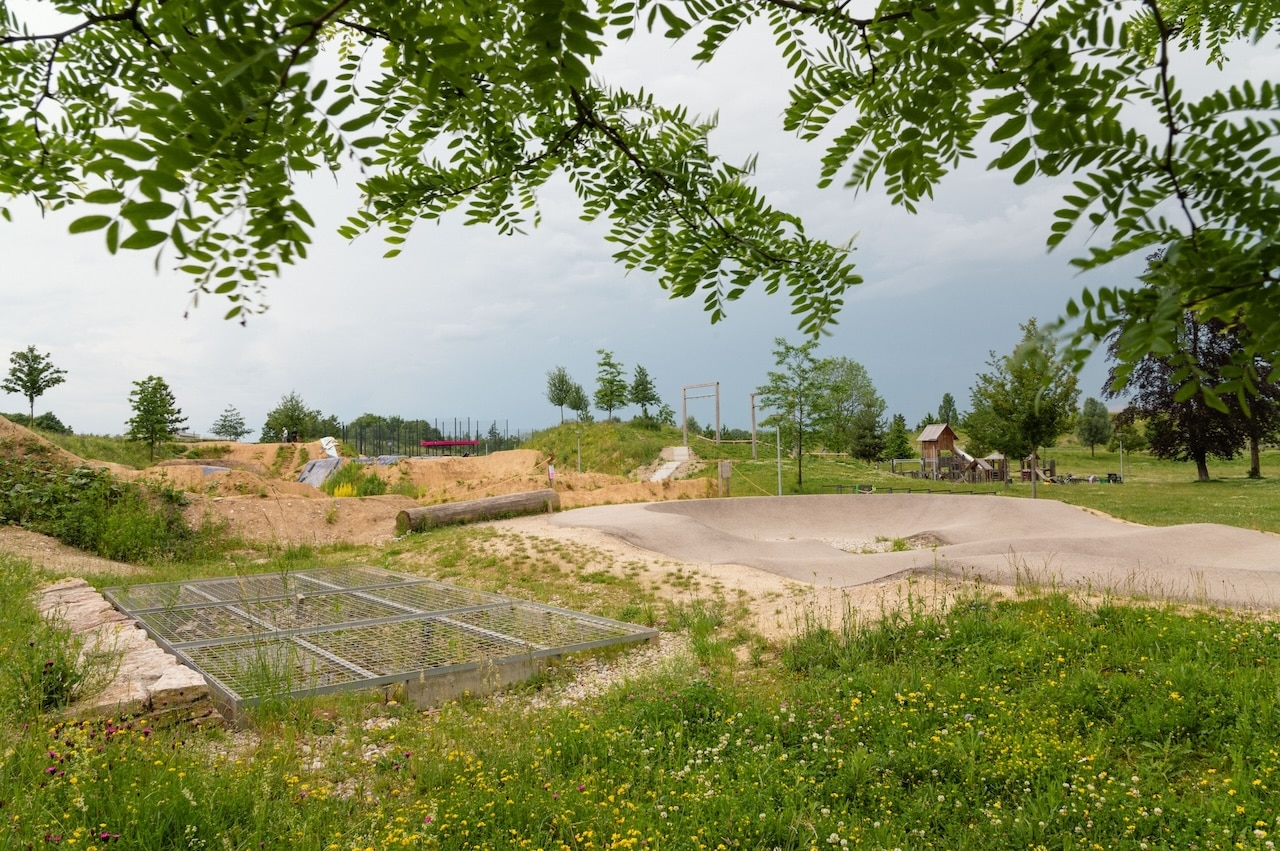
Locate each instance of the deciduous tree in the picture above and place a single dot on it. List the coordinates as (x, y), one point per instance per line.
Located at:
(559, 388)
(790, 394)
(156, 415)
(230, 424)
(1026, 401)
(642, 391)
(1094, 426)
(611, 387)
(1180, 423)
(847, 411)
(184, 128)
(580, 403)
(31, 374)
(292, 418)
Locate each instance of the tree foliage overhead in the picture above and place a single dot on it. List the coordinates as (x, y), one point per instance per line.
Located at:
(184, 125)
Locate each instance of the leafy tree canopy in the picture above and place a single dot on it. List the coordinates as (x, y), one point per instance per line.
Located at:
(847, 410)
(1026, 401)
(791, 393)
(612, 391)
(1094, 426)
(156, 415)
(642, 391)
(559, 388)
(31, 374)
(230, 424)
(183, 126)
(292, 420)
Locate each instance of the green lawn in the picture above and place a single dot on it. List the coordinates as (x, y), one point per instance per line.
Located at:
(1041, 721)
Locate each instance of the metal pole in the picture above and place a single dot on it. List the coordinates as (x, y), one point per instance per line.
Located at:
(684, 415)
(717, 413)
(754, 457)
(778, 437)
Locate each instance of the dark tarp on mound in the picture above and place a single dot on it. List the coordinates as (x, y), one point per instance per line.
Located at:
(315, 472)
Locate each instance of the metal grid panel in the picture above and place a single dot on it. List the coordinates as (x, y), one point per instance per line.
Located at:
(289, 634)
(254, 617)
(427, 596)
(407, 647)
(540, 626)
(248, 670)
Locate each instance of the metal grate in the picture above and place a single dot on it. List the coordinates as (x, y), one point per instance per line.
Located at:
(316, 631)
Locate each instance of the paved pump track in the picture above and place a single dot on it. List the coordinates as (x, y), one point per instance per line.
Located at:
(292, 634)
(995, 538)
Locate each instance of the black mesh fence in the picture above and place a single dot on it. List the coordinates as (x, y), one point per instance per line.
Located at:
(457, 436)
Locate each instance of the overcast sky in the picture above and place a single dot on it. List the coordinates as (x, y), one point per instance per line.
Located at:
(467, 323)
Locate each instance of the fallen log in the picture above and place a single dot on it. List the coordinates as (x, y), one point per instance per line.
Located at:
(487, 508)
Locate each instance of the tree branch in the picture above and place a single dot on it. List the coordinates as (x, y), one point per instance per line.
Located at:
(1170, 120)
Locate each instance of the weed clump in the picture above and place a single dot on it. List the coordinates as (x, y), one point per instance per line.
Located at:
(354, 480)
(93, 511)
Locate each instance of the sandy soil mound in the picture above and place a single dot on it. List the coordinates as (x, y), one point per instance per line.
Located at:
(20, 442)
(252, 489)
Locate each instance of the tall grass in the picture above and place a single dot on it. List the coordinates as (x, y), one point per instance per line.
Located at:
(994, 724)
(45, 667)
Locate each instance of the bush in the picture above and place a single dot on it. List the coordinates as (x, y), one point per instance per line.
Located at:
(354, 480)
(92, 511)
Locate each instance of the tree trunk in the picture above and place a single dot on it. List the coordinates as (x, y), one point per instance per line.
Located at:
(486, 508)
(1255, 459)
(1202, 469)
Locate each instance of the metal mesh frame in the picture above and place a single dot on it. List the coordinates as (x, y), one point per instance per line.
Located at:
(316, 631)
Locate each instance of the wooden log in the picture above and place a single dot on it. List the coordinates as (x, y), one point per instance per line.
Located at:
(487, 508)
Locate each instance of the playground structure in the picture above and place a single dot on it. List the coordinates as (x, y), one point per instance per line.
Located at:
(942, 460)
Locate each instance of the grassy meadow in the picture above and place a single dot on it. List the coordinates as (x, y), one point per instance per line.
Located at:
(1035, 721)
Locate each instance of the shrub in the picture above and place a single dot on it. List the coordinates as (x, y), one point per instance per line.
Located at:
(92, 511)
(354, 480)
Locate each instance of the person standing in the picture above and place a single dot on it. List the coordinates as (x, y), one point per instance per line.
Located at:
(551, 471)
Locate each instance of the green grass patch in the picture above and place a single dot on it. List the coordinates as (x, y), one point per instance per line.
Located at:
(1032, 723)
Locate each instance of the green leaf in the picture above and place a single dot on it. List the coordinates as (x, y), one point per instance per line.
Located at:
(84, 224)
(340, 105)
(147, 210)
(130, 148)
(144, 239)
(104, 196)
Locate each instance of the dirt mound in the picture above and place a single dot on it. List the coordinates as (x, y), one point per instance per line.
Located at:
(252, 489)
(20, 442)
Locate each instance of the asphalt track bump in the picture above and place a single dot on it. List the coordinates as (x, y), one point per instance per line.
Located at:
(992, 538)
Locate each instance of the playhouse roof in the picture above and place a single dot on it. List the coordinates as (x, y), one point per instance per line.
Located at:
(934, 431)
